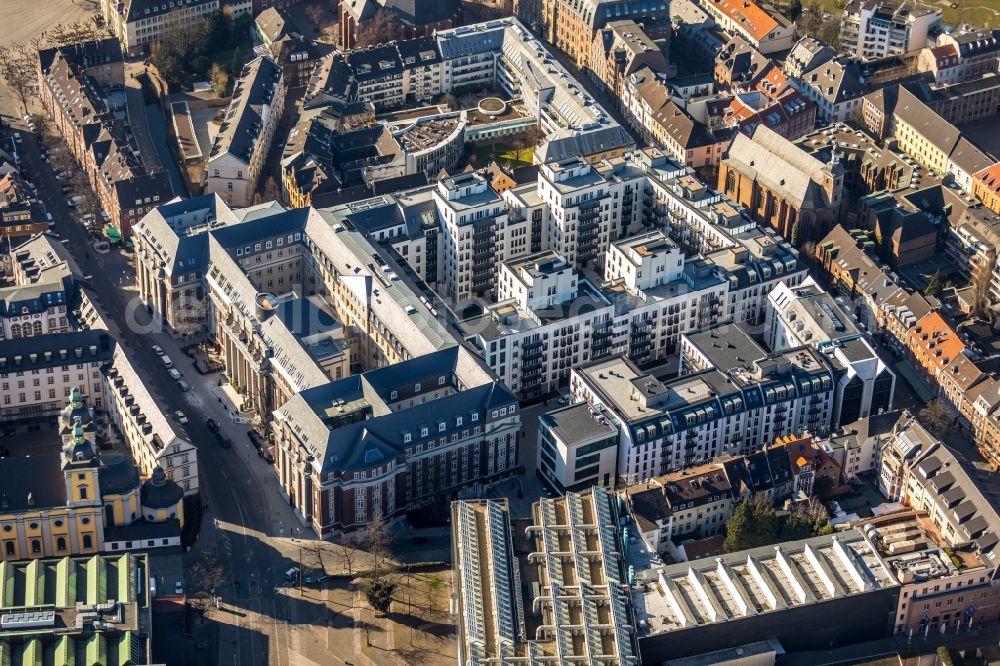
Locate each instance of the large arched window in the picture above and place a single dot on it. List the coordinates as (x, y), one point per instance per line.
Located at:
(61, 543)
(15, 330)
(38, 327)
(88, 541)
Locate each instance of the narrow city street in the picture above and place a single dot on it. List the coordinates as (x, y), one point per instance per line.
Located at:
(243, 508)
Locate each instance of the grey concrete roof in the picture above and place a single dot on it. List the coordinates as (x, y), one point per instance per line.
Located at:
(575, 424)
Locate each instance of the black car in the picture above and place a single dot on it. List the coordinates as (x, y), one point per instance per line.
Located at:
(257, 441)
(212, 425)
(224, 439)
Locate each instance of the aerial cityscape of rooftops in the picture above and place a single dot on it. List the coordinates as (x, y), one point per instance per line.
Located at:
(499, 332)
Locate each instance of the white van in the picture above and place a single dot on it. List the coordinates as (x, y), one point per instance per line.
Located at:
(174, 374)
(167, 363)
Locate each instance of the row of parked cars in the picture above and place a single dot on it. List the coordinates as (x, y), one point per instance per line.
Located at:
(225, 441)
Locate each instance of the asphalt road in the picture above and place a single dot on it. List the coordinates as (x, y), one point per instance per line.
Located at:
(237, 487)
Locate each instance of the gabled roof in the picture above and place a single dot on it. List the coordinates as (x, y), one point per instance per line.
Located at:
(936, 130)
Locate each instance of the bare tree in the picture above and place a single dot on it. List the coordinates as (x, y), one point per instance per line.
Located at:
(379, 29)
(207, 572)
(375, 539)
(201, 602)
(982, 276)
(271, 191)
(936, 418)
(433, 585)
(18, 71)
(72, 33)
(347, 552)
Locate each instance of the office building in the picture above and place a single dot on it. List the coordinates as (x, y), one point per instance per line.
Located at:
(577, 448)
(96, 606)
(542, 591)
(138, 24)
(392, 440)
(693, 608)
(807, 315)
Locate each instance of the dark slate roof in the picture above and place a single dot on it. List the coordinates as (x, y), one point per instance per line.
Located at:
(244, 119)
(302, 317)
(56, 350)
(85, 54)
(39, 475)
(148, 188)
(117, 474)
(142, 531)
(375, 62)
(418, 52)
(159, 492)
(422, 12)
(376, 441)
(648, 506)
(253, 230)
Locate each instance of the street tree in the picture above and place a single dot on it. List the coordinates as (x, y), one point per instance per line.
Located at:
(375, 539)
(201, 602)
(208, 572)
(936, 418)
(347, 551)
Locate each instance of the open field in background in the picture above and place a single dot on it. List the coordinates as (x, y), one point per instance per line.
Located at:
(985, 13)
(25, 19)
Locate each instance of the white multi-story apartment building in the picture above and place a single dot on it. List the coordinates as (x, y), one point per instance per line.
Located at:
(547, 320)
(714, 412)
(244, 139)
(872, 29)
(807, 315)
(590, 206)
(138, 24)
(476, 234)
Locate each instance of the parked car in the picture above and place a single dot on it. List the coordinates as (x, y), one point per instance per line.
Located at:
(257, 440)
(158, 350)
(70, 203)
(224, 440)
(179, 415)
(292, 574)
(212, 425)
(175, 374)
(66, 189)
(564, 399)
(165, 360)
(183, 386)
